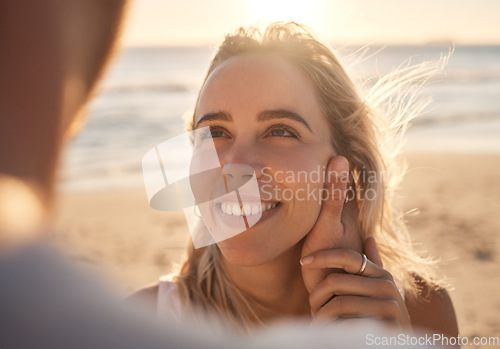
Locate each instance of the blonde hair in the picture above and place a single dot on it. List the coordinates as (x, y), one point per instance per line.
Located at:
(367, 131)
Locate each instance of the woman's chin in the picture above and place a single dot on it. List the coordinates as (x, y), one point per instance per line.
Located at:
(247, 251)
(240, 250)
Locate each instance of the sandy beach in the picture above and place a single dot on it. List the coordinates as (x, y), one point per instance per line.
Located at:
(457, 197)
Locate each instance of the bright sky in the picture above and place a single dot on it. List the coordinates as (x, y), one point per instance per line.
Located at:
(195, 22)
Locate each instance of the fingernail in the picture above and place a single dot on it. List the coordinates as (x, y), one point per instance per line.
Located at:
(306, 260)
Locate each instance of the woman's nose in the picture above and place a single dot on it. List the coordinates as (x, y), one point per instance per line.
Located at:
(237, 175)
(240, 163)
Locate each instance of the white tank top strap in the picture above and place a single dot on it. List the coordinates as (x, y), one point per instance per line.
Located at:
(168, 303)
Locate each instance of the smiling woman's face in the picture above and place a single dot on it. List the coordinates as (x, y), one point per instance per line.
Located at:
(263, 112)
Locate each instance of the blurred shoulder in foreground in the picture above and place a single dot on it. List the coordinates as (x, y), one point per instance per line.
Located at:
(146, 297)
(432, 311)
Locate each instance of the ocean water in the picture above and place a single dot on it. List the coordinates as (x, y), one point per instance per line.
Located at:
(146, 92)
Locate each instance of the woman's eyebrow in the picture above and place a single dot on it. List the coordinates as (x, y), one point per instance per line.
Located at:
(282, 114)
(263, 116)
(220, 115)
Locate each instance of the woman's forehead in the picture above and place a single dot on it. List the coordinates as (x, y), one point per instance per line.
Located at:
(257, 81)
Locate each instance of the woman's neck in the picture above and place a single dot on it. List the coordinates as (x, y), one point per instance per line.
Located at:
(276, 285)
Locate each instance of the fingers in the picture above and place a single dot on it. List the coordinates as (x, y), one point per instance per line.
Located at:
(371, 251)
(337, 284)
(357, 306)
(348, 260)
(328, 229)
(349, 295)
(337, 177)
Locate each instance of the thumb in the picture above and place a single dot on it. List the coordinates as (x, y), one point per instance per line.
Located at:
(337, 176)
(371, 251)
(328, 228)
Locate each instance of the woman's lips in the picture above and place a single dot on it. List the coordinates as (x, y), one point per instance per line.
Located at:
(239, 221)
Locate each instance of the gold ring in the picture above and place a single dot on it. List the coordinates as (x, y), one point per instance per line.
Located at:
(363, 266)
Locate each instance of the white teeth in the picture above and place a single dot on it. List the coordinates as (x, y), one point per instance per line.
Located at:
(234, 209)
(247, 210)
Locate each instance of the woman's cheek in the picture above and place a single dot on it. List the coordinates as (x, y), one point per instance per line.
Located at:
(307, 202)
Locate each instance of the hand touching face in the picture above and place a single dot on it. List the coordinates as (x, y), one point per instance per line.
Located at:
(341, 281)
(336, 224)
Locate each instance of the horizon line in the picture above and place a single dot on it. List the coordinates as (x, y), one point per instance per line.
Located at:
(338, 44)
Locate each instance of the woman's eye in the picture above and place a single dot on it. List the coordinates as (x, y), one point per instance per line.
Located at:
(216, 133)
(283, 131)
(213, 132)
(280, 133)
(208, 133)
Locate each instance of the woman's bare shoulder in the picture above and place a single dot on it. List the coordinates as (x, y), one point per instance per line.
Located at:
(146, 296)
(432, 310)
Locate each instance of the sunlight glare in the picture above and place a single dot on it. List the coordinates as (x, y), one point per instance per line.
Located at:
(301, 11)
